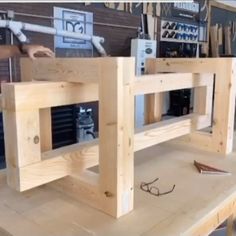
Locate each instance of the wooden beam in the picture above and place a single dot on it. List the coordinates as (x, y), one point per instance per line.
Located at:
(173, 81)
(116, 120)
(160, 132)
(45, 129)
(22, 141)
(153, 102)
(80, 70)
(183, 65)
(203, 103)
(38, 95)
(76, 158)
(27, 75)
(224, 106)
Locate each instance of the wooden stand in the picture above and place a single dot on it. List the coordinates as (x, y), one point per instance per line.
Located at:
(27, 127)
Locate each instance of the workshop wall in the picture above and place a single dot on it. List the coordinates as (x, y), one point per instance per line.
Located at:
(117, 39)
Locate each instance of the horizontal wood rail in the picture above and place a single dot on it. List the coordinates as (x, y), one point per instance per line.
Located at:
(158, 83)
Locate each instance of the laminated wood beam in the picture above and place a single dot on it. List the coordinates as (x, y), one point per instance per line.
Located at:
(153, 102)
(80, 70)
(173, 81)
(45, 113)
(22, 142)
(116, 120)
(189, 65)
(38, 95)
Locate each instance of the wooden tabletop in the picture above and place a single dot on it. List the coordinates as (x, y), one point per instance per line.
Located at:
(198, 204)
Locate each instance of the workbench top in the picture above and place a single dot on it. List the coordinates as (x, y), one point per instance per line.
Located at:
(197, 203)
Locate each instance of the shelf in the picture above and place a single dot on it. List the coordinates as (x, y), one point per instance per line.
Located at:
(178, 41)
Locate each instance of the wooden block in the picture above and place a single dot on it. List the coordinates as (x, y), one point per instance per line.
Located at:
(22, 142)
(203, 102)
(45, 129)
(153, 102)
(28, 95)
(26, 69)
(153, 108)
(80, 70)
(167, 82)
(183, 65)
(27, 74)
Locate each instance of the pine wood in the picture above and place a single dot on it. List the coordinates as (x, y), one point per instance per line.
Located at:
(31, 164)
(221, 139)
(27, 74)
(61, 69)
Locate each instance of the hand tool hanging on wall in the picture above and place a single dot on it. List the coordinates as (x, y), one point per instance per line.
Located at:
(121, 6)
(214, 41)
(228, 40)
(234, 30)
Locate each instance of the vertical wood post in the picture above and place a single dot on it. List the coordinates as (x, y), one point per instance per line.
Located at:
(21, 128)
(116, 131)
(44, 114)
(224, 105)
(153, 102)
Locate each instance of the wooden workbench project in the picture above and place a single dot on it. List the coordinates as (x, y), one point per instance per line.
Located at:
(31, 162)
(198, 204)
